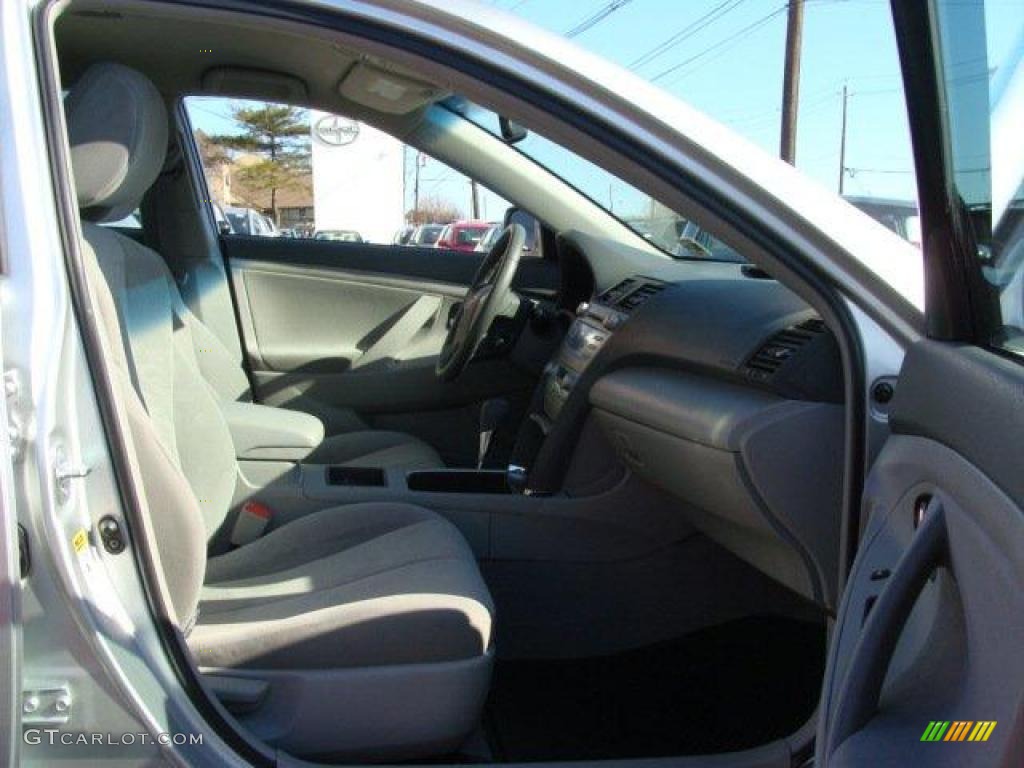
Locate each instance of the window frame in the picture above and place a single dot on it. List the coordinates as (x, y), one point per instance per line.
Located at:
(960, 303)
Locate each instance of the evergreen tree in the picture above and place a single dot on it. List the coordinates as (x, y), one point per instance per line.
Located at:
(277, 136)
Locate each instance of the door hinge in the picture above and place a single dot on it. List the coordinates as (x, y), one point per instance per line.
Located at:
(64, 471)
(46, 705)
(15, 423)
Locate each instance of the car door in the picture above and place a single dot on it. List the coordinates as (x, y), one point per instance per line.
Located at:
(349, 327)
(926, 666)
(13, 567)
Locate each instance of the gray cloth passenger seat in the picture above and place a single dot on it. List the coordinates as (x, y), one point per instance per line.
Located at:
(370, 622)
(202, 285)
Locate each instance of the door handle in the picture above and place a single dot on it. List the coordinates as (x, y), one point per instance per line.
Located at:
(862, 687)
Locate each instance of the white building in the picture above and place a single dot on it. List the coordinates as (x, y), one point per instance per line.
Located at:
(358, 178)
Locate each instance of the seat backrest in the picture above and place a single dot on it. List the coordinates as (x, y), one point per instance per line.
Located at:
(117, 129)
(170, 212)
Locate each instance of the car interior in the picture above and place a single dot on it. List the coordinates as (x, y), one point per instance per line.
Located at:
(424, 506)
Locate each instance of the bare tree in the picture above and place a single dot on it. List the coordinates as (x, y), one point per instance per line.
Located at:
(433, 210)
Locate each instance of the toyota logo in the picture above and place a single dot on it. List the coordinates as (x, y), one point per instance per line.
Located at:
(335, 131)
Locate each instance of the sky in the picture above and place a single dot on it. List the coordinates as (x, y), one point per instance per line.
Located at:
(725, 57)
(730, 65)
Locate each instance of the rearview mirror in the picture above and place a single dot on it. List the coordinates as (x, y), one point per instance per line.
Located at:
(688, 247)
(532, 245)
(511, 132)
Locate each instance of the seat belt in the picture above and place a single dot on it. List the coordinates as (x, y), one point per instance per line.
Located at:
(253, 519)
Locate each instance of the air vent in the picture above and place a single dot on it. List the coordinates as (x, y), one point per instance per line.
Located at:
(813, 324)
(754, 273)
(771, 355)
(614, 294)
(637, 297)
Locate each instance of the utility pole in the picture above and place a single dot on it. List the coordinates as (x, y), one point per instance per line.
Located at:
(474, 198)
(842, 143)
(416, 188)
(791, 80)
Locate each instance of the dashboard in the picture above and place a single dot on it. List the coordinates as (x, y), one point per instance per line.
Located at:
(723, 390)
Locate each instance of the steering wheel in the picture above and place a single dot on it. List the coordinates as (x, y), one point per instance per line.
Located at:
(488, 297)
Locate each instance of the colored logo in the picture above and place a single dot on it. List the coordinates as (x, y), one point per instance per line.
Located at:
(335, 131)
(958, 730)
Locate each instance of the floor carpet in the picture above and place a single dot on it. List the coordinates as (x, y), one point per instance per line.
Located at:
(726, 688)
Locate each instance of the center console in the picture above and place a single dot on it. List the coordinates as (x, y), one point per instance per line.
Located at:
(549, 431)
(594, 325)
(590, 330)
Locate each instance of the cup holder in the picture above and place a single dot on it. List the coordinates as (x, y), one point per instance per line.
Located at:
(458, 481)
(356, 476)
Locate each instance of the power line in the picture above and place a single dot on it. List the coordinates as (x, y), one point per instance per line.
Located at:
(742, 114)
(854, 171)
(842, 138)
(687, 32)
(684, 33)
(735, 37)
(808, 106)
(597, 17)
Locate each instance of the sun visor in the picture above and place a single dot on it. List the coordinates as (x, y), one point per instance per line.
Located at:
(254, 84)
(386, 91)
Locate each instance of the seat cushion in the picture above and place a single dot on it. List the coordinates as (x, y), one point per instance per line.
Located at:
(376, 448)
(354, 586)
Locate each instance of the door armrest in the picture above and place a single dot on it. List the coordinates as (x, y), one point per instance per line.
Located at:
(261, 432)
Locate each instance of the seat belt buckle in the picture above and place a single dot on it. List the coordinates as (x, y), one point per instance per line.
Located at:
(253, 519)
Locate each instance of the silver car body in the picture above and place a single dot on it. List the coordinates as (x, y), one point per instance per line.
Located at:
(99, 638)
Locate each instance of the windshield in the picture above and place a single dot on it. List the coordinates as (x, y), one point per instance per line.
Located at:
(659, 225)
(238, 221)
(470, 235)
(489, 237)
(428, 235)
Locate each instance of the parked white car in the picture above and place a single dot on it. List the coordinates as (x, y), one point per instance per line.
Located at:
(246, 221)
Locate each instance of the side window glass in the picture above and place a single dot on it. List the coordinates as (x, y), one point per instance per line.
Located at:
(275, 170)
(982, 52)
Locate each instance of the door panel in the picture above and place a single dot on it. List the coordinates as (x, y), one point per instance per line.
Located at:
(932, 621)
(327, 321)
(350, 332)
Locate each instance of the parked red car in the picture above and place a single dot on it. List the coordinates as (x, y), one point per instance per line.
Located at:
(463, 235)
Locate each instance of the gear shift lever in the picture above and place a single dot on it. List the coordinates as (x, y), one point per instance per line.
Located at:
(492, 413)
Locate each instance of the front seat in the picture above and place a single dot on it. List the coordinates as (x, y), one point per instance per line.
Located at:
(362, 631)
(357, 445)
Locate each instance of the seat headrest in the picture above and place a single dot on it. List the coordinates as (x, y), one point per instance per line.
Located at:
(117, 128)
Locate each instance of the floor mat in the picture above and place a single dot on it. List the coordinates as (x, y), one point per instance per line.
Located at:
(730, 687)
